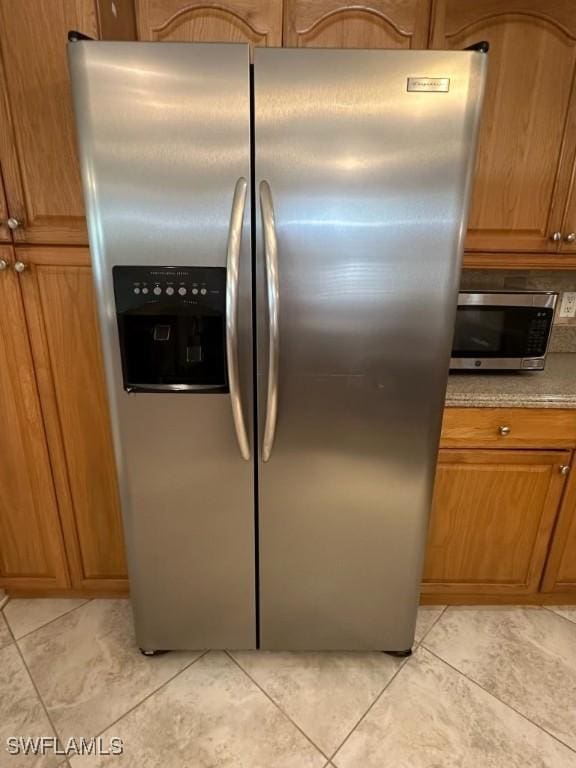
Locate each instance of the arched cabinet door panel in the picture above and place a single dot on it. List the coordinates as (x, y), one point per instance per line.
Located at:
(528, 130)
(376, 24)
(229, 21)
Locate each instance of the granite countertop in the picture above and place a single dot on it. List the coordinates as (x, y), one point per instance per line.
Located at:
(555, 387)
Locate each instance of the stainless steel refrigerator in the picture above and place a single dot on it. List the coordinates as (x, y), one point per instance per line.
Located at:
(276, 252)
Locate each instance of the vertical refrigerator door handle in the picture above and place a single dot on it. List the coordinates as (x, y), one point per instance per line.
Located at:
(271, 257)
(232, 277)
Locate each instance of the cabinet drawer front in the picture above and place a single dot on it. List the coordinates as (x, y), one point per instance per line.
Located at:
(508, 428)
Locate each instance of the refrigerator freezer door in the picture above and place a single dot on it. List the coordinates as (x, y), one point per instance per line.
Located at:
(366, 179)
(164, 137)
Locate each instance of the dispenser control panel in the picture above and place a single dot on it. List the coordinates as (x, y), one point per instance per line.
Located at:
(187, 286)
(172, 328)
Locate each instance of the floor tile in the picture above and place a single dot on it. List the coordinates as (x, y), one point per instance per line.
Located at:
(524, 656)
(210, 716)
(26, 615)
(324, 693)
(88, 669)
(567, 611)
(5, 636)
(21, 713)
(430, 716)
(427, 615)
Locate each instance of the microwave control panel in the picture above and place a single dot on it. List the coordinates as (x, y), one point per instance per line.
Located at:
(538, 332)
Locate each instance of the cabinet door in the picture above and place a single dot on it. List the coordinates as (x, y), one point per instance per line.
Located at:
(60, 310)
(492, 519)
(5, 236)
(528, 133)
(561, 567)
(374, 24)
(568, 227)
(32, 552)
(230, 21)
(37, 142)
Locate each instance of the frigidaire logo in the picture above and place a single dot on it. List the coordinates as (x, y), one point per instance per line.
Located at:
(433, 84)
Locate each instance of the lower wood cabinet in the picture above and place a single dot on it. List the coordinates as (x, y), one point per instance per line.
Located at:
(492, 520)
(60, 524)
(60, 310)
(32, 551)
(503, 523)
(560, 573)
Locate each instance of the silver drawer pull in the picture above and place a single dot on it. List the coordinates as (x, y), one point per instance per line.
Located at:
(504, 430)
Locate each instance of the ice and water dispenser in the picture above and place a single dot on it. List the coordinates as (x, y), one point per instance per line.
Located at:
(172, 327)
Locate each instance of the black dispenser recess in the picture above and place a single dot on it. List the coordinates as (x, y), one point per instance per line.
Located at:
(172, 328)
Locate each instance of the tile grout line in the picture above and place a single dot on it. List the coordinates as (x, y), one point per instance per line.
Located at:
(401, 666)
(61, 616)
(149, 695)
(35, 687)
(416, 646)
(497, 698)
(573, 622)
(278, 707)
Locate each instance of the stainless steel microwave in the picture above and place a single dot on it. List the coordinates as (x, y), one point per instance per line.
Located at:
(502, 330)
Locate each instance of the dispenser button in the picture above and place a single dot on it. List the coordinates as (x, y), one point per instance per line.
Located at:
(170, 291)
(136, 290)
(203, 291)
(195, 291)
(182, 291)
(144, 290)
(157, 290)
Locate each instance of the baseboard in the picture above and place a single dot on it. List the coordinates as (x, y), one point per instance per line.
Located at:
(538, 598)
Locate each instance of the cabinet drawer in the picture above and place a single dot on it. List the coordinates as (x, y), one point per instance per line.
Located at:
(508, 428)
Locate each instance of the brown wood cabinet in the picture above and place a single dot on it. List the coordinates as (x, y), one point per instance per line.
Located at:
(31, 545)
(230, 21)
(60, 312)
(561, 569)
(37, 141)
(374, 24)
(492, 519)
(568, 228)
(528, 132)
(5, 235)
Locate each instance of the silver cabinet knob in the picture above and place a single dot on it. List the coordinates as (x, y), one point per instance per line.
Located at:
(19, 266)
(3, 265)
(556, 236)
(504, 430)
(13, 223)
(570, 237)
(564, 469)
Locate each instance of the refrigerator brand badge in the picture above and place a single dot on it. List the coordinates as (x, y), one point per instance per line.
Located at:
(439, 84)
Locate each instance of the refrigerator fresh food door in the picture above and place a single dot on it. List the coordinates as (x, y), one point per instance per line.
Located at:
(362, 171)
(164, 138)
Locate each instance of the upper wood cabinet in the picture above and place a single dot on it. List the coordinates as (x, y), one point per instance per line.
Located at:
(375, 24)
(5, 236)
(37, 142)
(32, 552)
(528, 130)
(61, 318)
(492, 519)
(568, 227)
(230, 21)
(37, 139)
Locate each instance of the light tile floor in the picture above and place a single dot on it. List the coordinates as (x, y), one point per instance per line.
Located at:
(485, 688)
